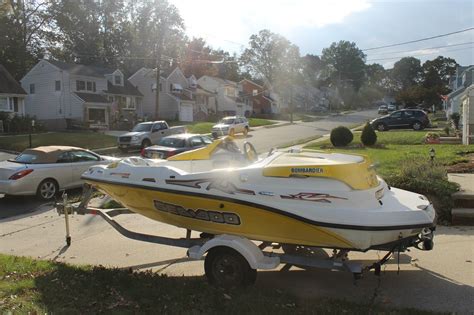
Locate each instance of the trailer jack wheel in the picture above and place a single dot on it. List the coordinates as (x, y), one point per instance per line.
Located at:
(226, 268)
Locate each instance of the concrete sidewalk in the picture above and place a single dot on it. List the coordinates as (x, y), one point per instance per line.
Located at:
(439, 280)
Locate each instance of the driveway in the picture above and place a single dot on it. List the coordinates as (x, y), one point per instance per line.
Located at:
(438, 280)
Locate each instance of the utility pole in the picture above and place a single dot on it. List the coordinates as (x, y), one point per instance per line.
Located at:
(159, 51)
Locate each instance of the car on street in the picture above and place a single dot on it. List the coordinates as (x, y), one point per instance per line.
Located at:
(46, 170)
(231, 125)
(146, 134)
(402, 119)
(383, 109)
(172, 145)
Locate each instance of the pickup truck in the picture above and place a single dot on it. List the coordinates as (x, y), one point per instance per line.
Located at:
(145, 134)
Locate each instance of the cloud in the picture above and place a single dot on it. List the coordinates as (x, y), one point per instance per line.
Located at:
(230, 23)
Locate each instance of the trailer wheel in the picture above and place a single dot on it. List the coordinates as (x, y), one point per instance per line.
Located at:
(226, 268)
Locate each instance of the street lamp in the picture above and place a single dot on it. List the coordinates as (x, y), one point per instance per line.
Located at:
(432, 155)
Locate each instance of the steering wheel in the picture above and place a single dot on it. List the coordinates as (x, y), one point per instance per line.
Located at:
(250, 152)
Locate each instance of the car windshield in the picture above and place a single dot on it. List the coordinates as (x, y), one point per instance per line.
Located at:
(172, 142)
(142, 127)
(227, 121)
(26, 158)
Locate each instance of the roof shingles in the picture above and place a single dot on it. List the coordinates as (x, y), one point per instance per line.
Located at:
(8, 85)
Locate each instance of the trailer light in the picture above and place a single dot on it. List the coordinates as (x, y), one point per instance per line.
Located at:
(20, 174)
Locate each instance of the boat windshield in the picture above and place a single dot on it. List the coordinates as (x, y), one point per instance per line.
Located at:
(142, 127)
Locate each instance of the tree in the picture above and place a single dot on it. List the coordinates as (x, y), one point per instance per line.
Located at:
(270, 56)
(23, 34)
(311, 67)
(406, 73)
(344, 64)
(436, 74)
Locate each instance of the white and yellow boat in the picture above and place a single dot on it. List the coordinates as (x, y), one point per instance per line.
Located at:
(308, 198)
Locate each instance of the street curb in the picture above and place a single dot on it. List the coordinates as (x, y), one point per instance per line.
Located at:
(277, 125)
(9, 151)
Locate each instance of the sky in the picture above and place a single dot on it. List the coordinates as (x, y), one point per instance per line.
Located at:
(314, 25)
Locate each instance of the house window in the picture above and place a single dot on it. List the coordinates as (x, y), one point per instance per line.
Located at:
(57, 85)
(118, 80)
(13, 104)
(4, 104)
(32, 88)
(93, 86)
(80, 85)
(89, 85)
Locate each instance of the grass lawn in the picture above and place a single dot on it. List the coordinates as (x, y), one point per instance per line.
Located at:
(40, 287)
(83, 139)
(257, 122)
(401, 146)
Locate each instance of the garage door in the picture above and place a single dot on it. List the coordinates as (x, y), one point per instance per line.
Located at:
(186, 112)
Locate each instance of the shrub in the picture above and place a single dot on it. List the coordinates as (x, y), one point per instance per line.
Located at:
(341, 136)
(423, 177)
(432, 135)
(368, 135)
(446, 130)
(455, 118)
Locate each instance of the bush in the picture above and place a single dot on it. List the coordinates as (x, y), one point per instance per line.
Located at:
(446, 130)
(432, 135)
(368, 135)
(341, 136)
(423, 177)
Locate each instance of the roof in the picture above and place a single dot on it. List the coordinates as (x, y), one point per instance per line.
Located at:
(204, 90)
(8, 84)
(74, 68)
(127, 89)
(185, 97)
(92, 98)
(456, 93)
(48, 154)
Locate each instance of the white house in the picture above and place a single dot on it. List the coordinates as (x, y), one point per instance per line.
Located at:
(12, 95)
(467, 115)
(177, 100)
(228, 98)
(458, 83)
(61, 94)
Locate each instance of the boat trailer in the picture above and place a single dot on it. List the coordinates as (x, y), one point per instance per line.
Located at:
(230, 260)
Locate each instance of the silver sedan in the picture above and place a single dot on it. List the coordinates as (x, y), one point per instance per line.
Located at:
(44, 171)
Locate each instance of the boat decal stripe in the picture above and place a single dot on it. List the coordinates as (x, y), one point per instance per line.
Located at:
(267, 208)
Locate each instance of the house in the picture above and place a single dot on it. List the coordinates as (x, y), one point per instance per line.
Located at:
(178, 99)
(467, 114)
(64, 94)
(258, 97)
(228, 98)
(12, 95)
(458, 84)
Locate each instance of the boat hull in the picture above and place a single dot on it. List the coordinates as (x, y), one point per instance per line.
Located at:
(220, 215)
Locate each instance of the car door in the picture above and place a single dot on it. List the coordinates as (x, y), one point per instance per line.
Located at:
(62, 170)
(156, 133)
(81, 161)
(395, 119)
(239, 125)
(408, 118)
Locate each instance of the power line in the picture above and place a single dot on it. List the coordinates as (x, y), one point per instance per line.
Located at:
(420, 40)
(415, 50)
(427, 54)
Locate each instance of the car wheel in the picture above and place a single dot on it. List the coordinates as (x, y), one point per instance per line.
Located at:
(417, 125)
(146, 143)
(47, 189)
(381, 127)
(246, 131)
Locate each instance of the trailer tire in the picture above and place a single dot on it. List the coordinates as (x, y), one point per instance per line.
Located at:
(226, 268)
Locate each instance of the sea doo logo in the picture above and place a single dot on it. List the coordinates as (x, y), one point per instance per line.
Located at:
(199, 214)
(313, 170)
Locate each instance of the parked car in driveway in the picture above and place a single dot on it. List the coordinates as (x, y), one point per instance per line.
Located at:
(146, 134)
(172, 145)
(44, 171)
(230, 126)
(405, 118)
(383, 109)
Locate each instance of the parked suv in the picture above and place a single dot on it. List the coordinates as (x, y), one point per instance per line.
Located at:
(405, 118)
(230, 126)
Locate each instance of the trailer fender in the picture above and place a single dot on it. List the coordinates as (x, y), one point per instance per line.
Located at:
(245, 247)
